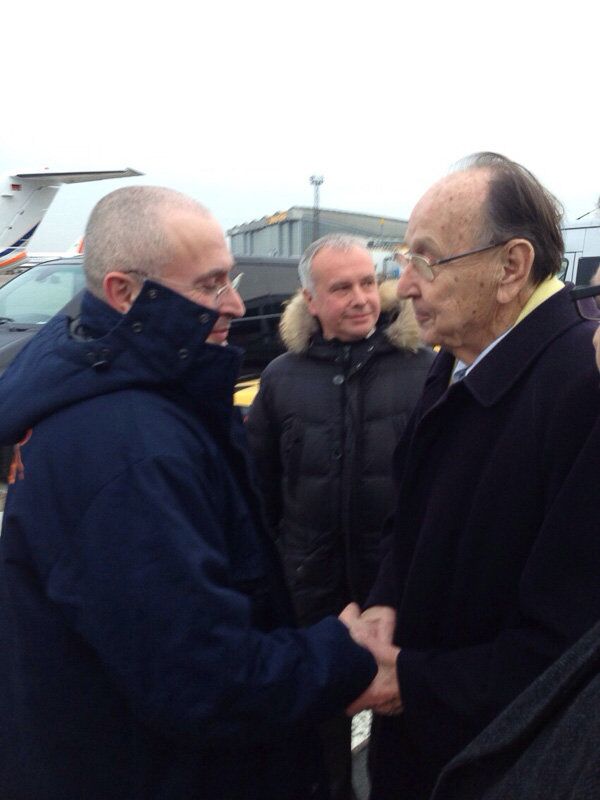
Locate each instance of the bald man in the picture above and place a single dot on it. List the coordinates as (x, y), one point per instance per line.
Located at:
(148, 647)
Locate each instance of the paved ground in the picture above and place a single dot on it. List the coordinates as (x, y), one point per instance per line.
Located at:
(360, 779)
(361, 727)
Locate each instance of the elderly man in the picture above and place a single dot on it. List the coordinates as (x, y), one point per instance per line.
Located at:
(147, 640)
(323, 429)
(491, 572)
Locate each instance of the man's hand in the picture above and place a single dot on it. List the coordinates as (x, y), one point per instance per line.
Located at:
(382, 620)
(377, 622)
(374, 631)
(383, 695)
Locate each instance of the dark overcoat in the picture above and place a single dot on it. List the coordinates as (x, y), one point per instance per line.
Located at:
(493, 563)
(545, 745)
(148, 648)
(323, 430)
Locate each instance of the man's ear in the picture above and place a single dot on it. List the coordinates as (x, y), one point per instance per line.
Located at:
(516, 263)
(120, 290)
(308, 299)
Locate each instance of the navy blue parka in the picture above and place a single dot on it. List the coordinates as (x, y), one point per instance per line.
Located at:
(147, 643)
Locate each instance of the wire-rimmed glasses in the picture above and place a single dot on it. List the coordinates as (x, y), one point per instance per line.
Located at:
(424, 265)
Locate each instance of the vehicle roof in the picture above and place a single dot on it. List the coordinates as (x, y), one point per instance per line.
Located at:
(61, 261)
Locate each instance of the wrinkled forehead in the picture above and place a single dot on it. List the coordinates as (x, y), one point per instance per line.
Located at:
(451, 212)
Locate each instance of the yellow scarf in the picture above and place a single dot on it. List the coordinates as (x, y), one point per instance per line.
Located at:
(542, 292)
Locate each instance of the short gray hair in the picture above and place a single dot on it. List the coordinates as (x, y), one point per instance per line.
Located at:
(337, 241)
(127, 231)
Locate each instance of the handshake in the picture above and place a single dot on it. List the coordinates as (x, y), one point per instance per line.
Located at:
(374, 630)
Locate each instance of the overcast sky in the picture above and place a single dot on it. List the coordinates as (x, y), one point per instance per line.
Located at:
(238, 104)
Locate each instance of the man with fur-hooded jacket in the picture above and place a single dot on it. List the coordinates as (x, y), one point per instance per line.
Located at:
(325, 423)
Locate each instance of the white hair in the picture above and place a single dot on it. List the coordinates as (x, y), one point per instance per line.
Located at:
(337, 241)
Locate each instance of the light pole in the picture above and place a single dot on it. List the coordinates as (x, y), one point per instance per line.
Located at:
(316, 181)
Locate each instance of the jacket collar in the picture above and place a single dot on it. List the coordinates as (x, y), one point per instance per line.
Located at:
(500, 370)
(164, 336)
(351, 356)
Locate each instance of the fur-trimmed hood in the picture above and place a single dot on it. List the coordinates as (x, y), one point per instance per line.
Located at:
(298, 326)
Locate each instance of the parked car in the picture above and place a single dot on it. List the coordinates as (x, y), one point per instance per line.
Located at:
(31, 298)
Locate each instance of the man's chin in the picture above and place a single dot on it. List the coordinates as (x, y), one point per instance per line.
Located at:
(427, 329)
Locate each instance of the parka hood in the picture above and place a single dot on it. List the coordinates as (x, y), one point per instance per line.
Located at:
(298, 326)
(161, 341)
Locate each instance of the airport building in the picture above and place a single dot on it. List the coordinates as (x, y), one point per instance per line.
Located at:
(287, 233)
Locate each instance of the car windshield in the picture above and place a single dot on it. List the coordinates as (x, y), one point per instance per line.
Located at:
(36, 295)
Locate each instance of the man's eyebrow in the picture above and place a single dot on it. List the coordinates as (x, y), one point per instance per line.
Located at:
(426, 243)
(339, 284)
(217, 272)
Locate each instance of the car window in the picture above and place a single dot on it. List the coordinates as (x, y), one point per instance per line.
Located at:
(36, 295)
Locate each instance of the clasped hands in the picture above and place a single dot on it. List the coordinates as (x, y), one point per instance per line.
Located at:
(374, 630)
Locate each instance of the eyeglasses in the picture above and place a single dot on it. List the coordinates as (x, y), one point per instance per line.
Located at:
(587, 301)
(214, 289)
(424, 265)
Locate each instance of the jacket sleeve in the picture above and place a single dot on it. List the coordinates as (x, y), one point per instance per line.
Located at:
(264, 441)
(559, 599)
(150, 587)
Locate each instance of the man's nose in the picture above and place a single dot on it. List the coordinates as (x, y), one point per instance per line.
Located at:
(408, 285)
(231, 304)
(359, 296)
